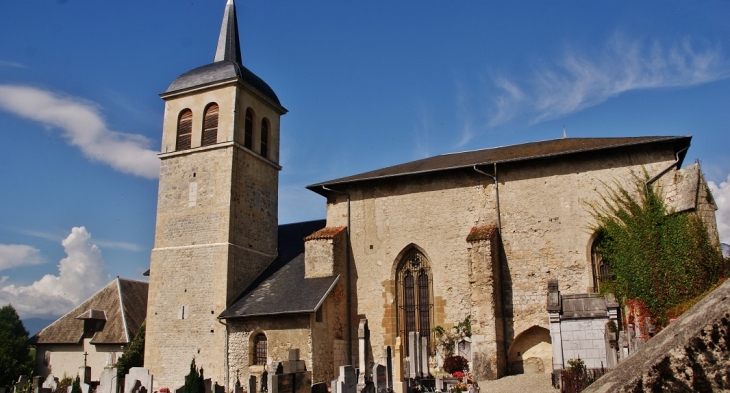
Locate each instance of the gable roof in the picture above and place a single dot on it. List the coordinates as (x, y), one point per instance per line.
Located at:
(122, 304)
(505, 154)
(282, 288)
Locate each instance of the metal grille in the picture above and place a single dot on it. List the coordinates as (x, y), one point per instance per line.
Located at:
(184, 130)
(248, 130)
(601, 270)
(259, 349)
(415, 306)
(265, 138)
(210, 125)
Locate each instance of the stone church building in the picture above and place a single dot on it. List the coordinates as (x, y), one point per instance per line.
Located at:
(427, 243)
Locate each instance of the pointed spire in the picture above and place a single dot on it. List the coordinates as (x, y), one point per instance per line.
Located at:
(228, 46)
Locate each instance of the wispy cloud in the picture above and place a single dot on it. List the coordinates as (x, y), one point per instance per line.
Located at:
(5, 63)
(108, 244)
(83, 127)
(12, 255)
(80, 275)
(579, 80)
(721, 194)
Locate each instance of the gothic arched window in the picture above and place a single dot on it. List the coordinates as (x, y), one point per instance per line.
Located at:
(259, 349)
(601, 270)
(184, 130)
(210, 125)
(248, 130)
(415, 306)
(265, 137)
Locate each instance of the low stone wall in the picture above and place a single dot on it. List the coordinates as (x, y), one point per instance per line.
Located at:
(691, 354)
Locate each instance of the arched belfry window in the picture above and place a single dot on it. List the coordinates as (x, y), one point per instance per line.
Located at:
(248, 129)
(259, 349)
(210, 125)
(265, 137)
(184, 130)
(601, 270)
(415, 303)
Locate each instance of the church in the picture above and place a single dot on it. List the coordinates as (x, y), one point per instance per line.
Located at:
(407, 248)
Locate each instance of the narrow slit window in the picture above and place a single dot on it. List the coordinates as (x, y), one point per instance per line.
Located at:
(248, 130)
(210, 125)
(184, 130)
(265, 138)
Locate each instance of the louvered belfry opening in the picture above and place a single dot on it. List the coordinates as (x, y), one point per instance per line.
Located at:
(210, 125)
(248, 130)
(265, 138)
(184, 130)
(259, 343)
(415, 303)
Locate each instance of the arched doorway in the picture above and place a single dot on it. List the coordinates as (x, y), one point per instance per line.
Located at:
(531, 352)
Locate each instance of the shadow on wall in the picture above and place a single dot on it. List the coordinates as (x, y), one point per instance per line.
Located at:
(531, 352)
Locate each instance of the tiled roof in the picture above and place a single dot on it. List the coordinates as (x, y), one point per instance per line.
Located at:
(325, 233)
(505, 154)
(122, 303)
(481, 233)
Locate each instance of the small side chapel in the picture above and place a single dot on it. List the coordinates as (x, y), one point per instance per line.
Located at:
(428, 243)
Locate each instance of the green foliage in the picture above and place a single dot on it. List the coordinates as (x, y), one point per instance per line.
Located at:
(76, 386)
(446, 339)
(15, 357)
(661, 259)
(133, 355)
(63, 384)
(194, 381)
(576, 365)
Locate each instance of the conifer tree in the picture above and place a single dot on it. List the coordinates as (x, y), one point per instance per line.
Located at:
(133, 355)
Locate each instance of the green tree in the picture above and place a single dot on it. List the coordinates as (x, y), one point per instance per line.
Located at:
(15, 357)
(659, 258)
(133, 355)
(76, 386)
(194, 381)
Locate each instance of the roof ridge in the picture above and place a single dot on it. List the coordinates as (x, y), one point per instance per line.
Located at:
(125, 328)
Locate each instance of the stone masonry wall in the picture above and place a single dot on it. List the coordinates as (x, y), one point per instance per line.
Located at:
(546, 233)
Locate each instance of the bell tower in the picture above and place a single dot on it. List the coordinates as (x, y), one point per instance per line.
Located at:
(216, 210)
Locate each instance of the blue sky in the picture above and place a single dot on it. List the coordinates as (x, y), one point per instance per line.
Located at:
(367, 85)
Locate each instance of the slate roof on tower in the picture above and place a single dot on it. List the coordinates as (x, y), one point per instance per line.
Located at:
(506, 154)
(227, 64)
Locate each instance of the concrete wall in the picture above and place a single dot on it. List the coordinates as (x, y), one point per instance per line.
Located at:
(584, 339)
(546, 220)
(65, 359)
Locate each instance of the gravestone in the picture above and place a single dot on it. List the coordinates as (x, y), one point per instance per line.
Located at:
(37, 384)
(380, 378)
(108, 381)
(22, 380)
(347, 382)
(363, 334)
(412, 355)
(320, 387)
(389, 367)
(85, 374)
(138, 380)
(50, 382)
(423, 352)
(86, 388)
(294, 377)
(208, 385)
(237, 388)
(252, 384)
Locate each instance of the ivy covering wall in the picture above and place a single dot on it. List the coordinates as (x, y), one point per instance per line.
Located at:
(661, 258)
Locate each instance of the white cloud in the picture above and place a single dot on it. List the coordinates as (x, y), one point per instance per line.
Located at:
(5, 63)
(80, 275)
(12, 255)
(721, 194)
(581, 80)
(83, 127)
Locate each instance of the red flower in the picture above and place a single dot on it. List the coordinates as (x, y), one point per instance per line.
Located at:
(458, 374)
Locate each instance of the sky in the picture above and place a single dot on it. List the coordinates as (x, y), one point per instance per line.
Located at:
(367, 85)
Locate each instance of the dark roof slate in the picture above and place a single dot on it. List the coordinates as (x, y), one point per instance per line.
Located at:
(504, 154)
(124, 311)
(282, 288)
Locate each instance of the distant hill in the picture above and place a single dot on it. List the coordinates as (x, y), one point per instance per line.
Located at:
(35, 325)
(725, 250)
